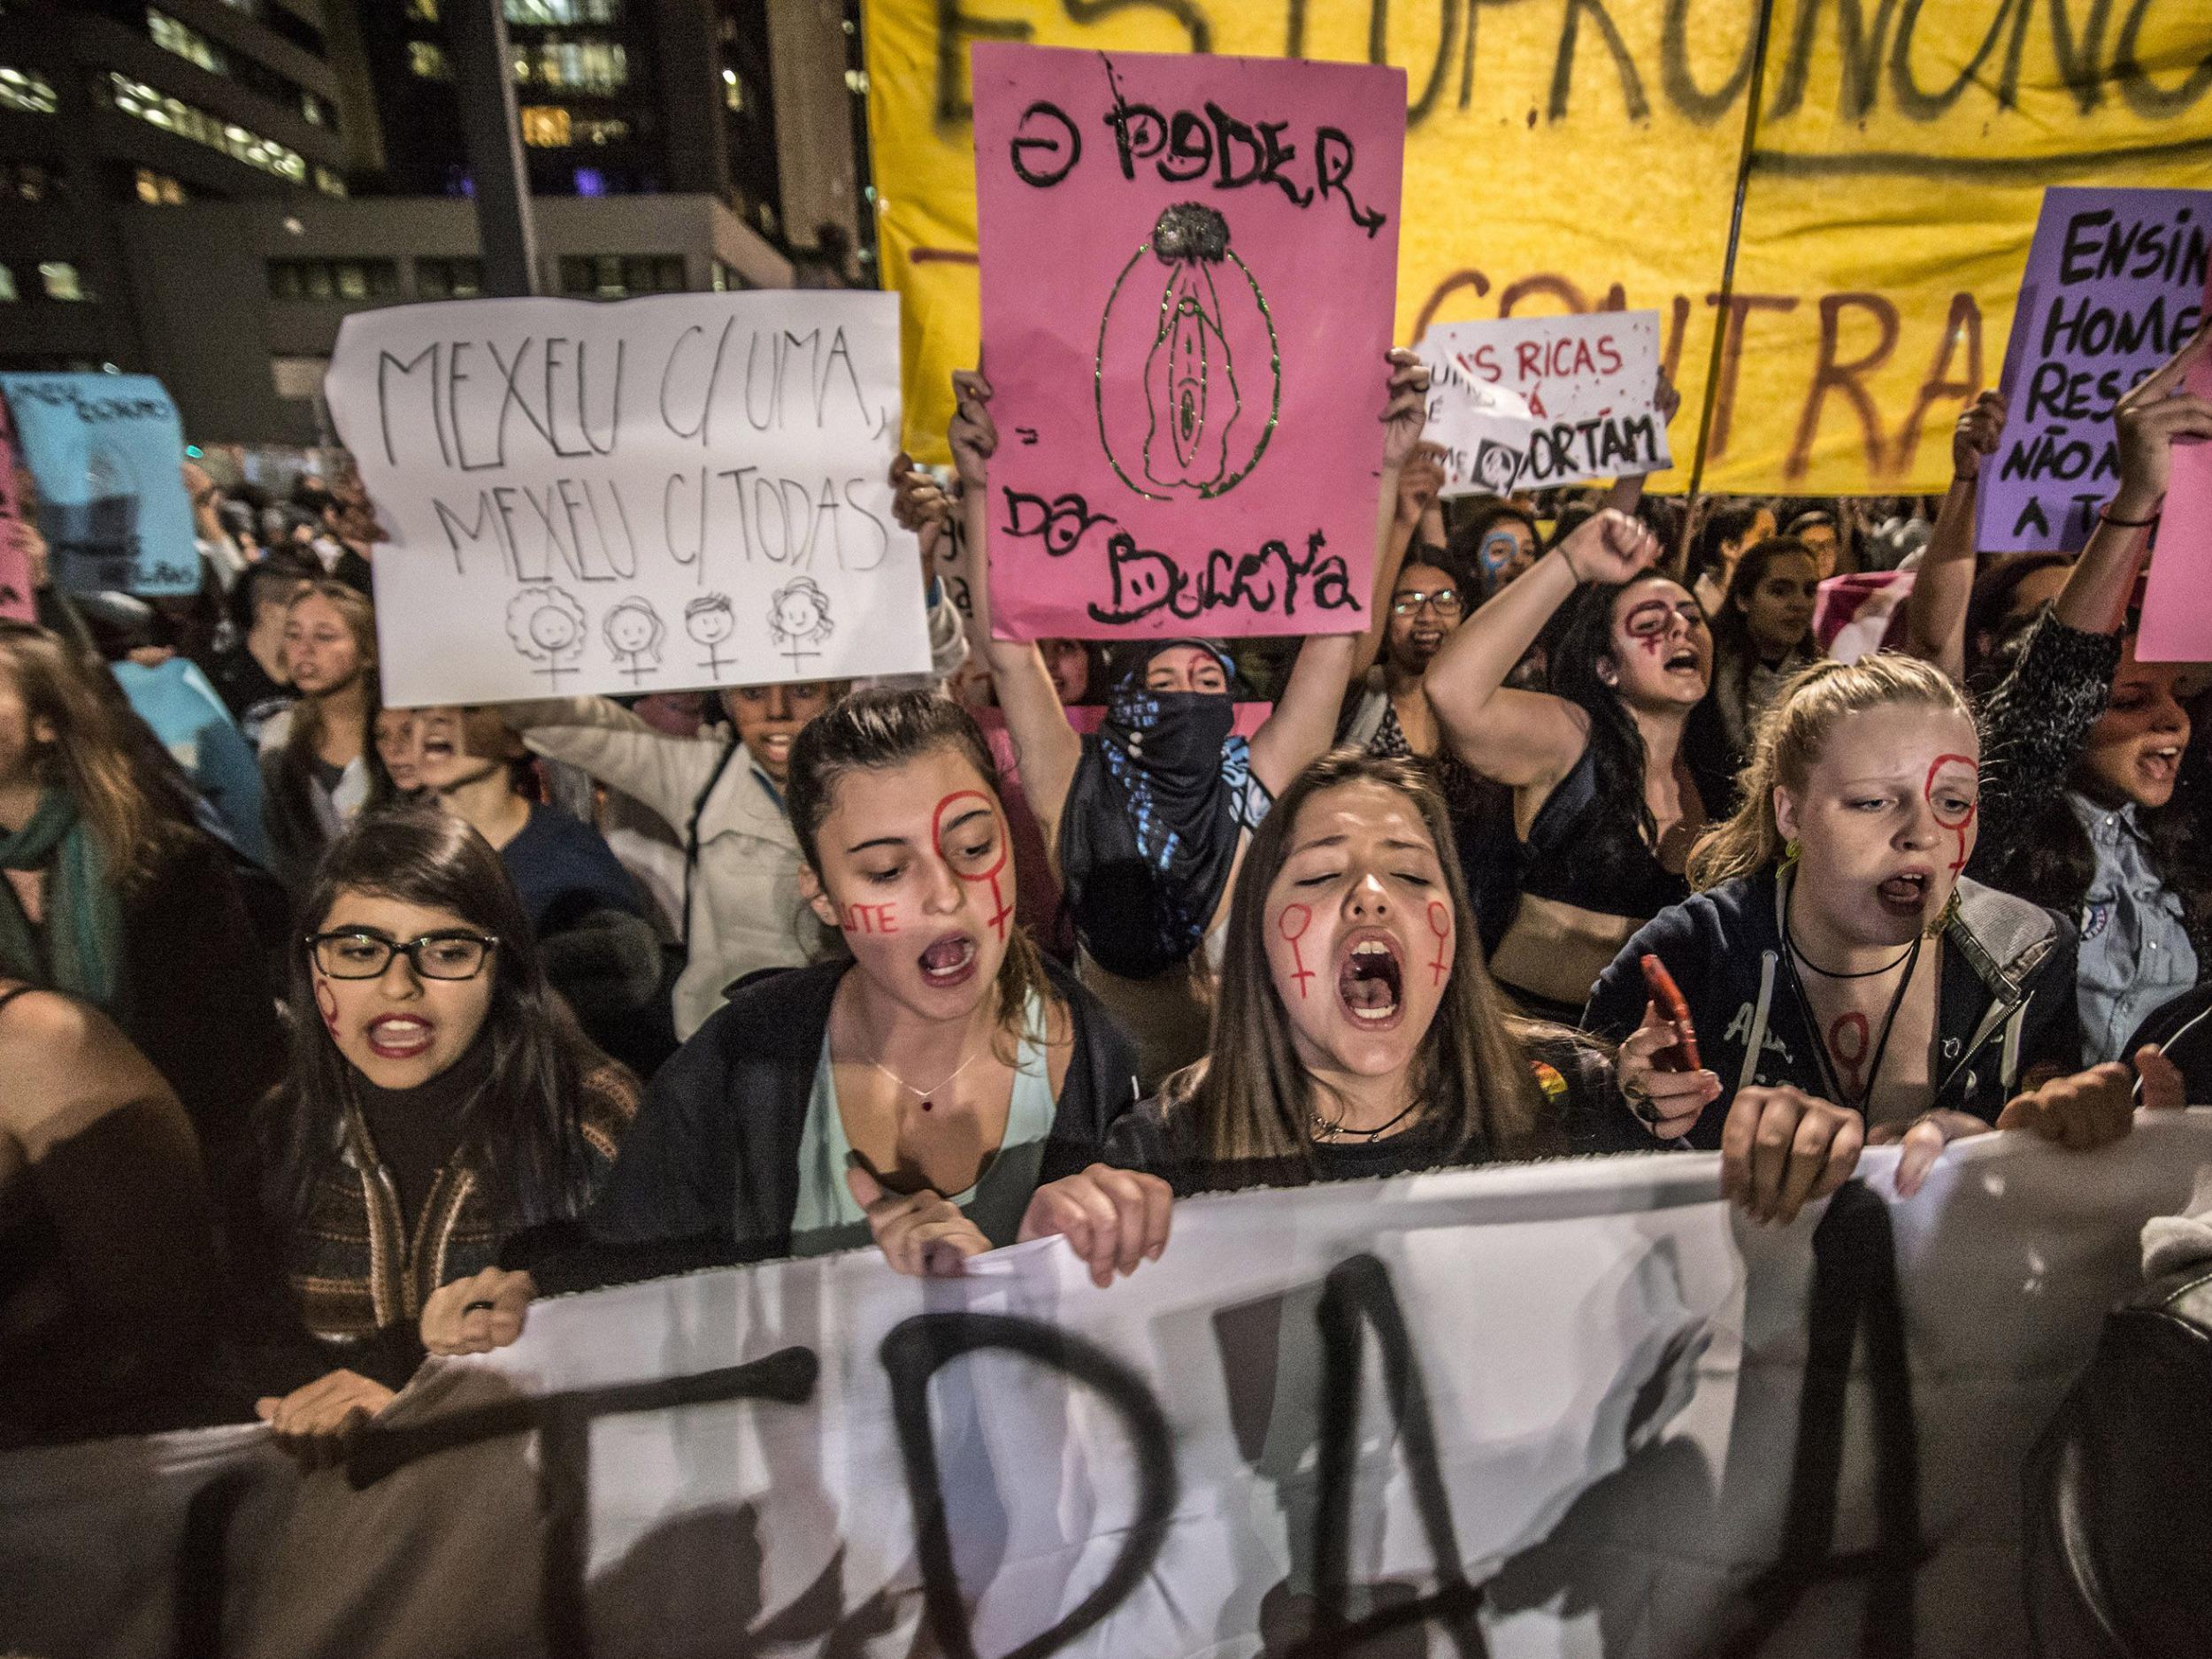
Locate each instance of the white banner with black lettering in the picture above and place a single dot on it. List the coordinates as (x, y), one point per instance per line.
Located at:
(690, 489)
(1565, 1409)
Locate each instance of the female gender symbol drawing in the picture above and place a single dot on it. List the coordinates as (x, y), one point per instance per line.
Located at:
(634, 633)
(1292, 924)
(798, 616)
(1172, 373)
(546, 625)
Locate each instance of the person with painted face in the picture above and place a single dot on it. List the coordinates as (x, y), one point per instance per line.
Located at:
(2085, 744)
(599, 951)
(1763, 635)
(1357, 1032)
(438, 1102)
(319, 760)
(1842, 981)
(943, 1090)
(1613, 770)
(1497, 543)
(1145, 818)
(743, 908)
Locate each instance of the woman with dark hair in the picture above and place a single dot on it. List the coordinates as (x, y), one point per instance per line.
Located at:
(2008, 596)
(1762, 632)
(1841, 982)
(2085, 744)
(1495, 541)
(924, 1091)
(1821, 533)
(1145, 818)
(1729, 528)
(1614, 771)
(438, 1103)
(1357, 1032)
(318, 759)
(111, 893)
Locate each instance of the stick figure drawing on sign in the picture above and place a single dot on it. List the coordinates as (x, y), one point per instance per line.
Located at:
(634, 633)
(798, 616)
(710, 621)
(546, 626)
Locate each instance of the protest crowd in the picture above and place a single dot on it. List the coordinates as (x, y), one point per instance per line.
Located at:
(335, 1044)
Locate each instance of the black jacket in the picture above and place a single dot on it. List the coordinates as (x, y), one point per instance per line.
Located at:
(2005, 1003)
(709, 1171)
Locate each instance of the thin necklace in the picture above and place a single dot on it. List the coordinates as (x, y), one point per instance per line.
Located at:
(1889, 1019)
(1797, 951)
(924, 1094)
(1324, 1129)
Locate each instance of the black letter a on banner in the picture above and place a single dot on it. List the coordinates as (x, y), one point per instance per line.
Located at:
(913, 1353)
(1359, 1289)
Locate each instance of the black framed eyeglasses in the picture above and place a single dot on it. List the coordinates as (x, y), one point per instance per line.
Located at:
(1446, 601)
(356, 954)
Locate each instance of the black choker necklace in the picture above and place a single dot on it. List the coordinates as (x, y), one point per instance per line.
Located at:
(1797, 951)
(1325, 1130)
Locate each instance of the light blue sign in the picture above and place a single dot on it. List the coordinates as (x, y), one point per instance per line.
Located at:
(107, 452)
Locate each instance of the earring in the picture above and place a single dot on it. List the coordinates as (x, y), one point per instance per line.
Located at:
(1792, 851)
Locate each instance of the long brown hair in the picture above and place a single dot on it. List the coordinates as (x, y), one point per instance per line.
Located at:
(1787, 744)
(303, 741)
(1254, 1096)
(89, 757)
(880, 729)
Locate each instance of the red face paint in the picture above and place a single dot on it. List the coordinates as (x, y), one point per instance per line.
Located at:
(1001, 910)
(1849, 1057)
(870, 919)
(1292, 924)
(327, 1003)
(1441, 924)
(1958, 823)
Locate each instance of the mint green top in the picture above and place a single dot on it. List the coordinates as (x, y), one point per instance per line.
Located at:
(826, 1219)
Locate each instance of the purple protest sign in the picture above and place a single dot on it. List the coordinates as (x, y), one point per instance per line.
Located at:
(16, 599)
(1189, 265)
(2115, 284)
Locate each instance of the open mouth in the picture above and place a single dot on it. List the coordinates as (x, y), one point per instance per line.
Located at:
(948, 961)
(1906, 893)
(1685, 661)
(2159, 765)
(1370, 984)
(398, 1036)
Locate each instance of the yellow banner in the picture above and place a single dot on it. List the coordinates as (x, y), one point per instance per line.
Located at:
(1575, 155)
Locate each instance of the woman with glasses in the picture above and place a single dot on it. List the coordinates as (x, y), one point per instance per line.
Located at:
(439, 1102)
(1612, 776)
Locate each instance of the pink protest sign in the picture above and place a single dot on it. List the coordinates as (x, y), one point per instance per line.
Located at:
(2178, 599)
(15, 571)
(1189, 265)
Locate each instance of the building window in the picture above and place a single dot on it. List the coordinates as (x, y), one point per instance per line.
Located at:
(158, 190)
(159, 109)
(423, 10)
(615, 276)
(31, 181)
(562, 13)
(545, 125)
(733, 89)
(586, 65)
(190, 44)
(298, 379)
(61, 280)
(426, 59)
(342, 282)
(26, 92)
(329, 182)
(8, 294)
(449, 278)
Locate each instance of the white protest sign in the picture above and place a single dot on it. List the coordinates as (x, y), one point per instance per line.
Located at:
(1590, 382)
(1574, 1408)
(1484, 428)
(690, 489)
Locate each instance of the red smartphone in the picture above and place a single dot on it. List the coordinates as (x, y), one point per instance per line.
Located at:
(1672, 1007)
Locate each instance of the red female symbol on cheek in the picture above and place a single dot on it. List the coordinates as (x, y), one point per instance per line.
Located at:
(327, 1003)
(1441, 924)
(1001, 910)
(1292, 924)
(1853, 1026)
(1958, 823)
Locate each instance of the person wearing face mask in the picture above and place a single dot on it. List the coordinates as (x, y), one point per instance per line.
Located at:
(318, 761)
(437, 1101)
(2085, 744)
(943, 1090)
(1763, 634)
(1357, 1032)
(599, 950)
(1146, 818)
(1613, 770)
(1843, 982)
(743, 912)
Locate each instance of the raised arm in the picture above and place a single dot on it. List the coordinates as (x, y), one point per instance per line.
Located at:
(1421, 477)
(599, 736)
(1046, 748)
(2149, 421)
(1628, 489)
(1521, 738)
(1935, 617)
(1300, 729)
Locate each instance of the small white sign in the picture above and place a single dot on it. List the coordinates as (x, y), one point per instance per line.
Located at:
(685, 490)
